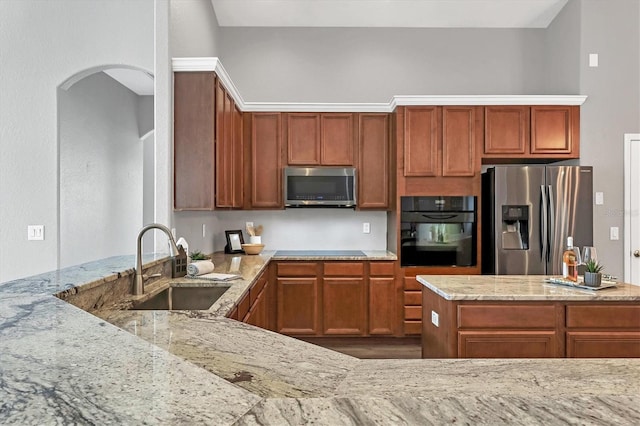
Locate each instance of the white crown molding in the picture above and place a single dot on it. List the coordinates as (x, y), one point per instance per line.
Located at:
(214, 64)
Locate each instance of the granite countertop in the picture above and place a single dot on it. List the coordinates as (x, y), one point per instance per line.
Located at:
(520, 287)
(60, 364)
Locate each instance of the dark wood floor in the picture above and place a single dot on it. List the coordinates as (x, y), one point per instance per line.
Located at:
(371, 347)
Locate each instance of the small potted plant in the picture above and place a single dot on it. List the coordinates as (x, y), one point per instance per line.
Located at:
(197, 255)
(592, 275)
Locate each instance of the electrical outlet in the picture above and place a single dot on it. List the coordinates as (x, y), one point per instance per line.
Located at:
(35, 232)
(435, 318)
(366, 228)
(599, 198)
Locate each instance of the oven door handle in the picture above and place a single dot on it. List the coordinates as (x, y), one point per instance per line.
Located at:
(438, 217)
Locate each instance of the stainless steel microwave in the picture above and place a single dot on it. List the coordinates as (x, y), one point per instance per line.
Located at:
(319, 187)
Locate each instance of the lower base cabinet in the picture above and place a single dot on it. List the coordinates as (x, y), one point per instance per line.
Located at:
(257, 306)
(341, 298)
(557, 329)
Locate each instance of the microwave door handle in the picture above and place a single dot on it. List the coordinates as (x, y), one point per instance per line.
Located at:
(543, 221)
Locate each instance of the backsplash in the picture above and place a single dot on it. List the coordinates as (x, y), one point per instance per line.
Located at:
(290, 229)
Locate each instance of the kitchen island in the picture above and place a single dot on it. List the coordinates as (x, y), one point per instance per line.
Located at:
(61, 364)
(505, 316)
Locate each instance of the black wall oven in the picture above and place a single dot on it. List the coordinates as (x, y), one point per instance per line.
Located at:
(438, 231)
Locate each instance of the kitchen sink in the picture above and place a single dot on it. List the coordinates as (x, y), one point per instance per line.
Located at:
(183, 298)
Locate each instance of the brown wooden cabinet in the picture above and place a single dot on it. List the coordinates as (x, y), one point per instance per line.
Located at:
(297, 298)
(598, 331)
(265, 172)
(412, 306)
(374, 169)
(229, 152)
(528, 329)
(532, 132)
(208, 144)
(441, 141)
(194, 141)
(343, 294)
(257, 305)
(320, 139)
(382, 300)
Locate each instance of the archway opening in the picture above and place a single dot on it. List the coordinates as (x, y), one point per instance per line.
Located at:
(105, 162)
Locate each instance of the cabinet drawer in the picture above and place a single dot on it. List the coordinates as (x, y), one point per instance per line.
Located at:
(413, 312)
(410, 283)
(344, 269)
(297, 269)
(413, 298)
(385, 269)
(413, 327)
(612, 316)
(506, 316)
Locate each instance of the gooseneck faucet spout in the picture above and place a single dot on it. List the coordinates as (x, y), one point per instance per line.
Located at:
(138, 285)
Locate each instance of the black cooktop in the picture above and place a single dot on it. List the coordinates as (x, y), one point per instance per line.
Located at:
(320, 253)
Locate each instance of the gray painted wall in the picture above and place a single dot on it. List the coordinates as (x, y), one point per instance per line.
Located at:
(373, 64)
(611, 29)
(101, 164)
(43, 43)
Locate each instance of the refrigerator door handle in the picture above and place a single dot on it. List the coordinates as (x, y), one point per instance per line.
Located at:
(552, 220)
(544, 236)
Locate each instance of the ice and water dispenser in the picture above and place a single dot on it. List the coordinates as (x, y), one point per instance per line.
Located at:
(515, 227)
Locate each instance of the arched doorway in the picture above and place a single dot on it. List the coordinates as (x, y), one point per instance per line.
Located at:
(105, 152)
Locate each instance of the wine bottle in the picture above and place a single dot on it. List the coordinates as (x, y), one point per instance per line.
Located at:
(570, 260)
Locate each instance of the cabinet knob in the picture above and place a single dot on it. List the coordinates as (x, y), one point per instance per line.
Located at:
(636, 253)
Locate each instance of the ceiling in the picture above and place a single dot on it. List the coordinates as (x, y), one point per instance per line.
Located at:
(388, 13)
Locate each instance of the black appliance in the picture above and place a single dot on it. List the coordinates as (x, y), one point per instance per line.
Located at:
(438, 231)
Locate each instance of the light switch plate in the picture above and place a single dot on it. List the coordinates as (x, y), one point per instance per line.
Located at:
(614, 233)
(593, 60)
(599, 198)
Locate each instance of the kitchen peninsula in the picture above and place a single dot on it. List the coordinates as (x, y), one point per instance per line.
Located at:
(63, 364)
(505, 316)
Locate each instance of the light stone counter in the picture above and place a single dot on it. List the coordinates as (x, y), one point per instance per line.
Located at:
(62, 365)
(520, 287)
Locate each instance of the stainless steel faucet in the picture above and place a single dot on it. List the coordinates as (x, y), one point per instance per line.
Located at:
(138, 285)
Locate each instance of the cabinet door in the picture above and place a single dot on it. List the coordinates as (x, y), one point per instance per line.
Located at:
(373, 164)
(336, 139)
(555, 130)
(266, 154)
(506, 130)
(507, 344)
(224, 147)
(422, 137)
(194, 141)
(603, 344)
(381, 305)
(460, 129)
(303, 139)
(297, 306)
(344, 306)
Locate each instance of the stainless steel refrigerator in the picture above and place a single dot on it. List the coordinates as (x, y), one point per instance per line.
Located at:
(527, 214)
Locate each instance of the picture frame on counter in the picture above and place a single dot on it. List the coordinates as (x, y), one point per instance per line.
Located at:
(234, 241)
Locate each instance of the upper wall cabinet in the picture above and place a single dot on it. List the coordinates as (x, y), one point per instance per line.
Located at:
(441, 141)
(532, 132)
(194, 141)
(229, 153)
(265, 173)
(320, 139)
(374, 168)
(207, 144)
